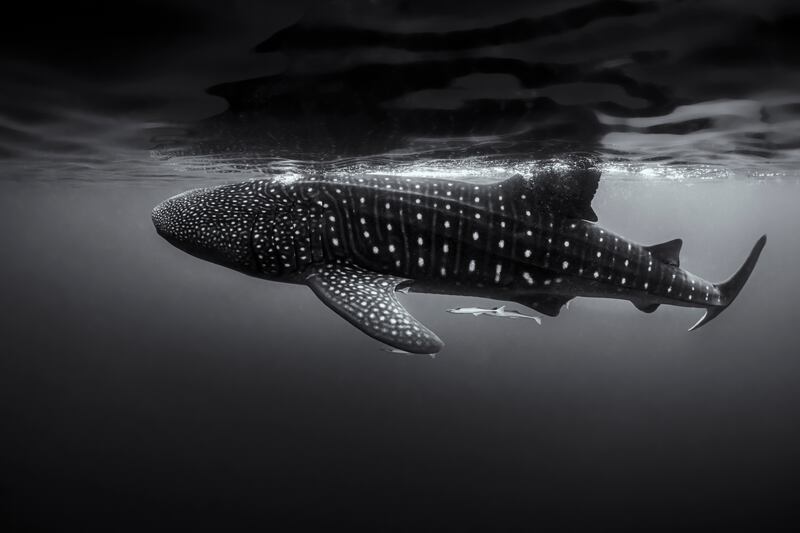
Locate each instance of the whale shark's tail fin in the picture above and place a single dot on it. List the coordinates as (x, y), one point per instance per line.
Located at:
(730, 289)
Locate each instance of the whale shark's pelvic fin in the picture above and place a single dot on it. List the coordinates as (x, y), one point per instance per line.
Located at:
(367, 300)
(646, 308)
(667, 252)
(547, 304)
(730, 289)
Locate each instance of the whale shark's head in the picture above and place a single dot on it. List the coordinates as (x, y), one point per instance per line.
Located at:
(211, 223)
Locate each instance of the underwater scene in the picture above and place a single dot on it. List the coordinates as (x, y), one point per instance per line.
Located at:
(400, 266)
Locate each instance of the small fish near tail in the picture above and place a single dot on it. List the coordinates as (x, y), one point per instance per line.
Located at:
(730, 289)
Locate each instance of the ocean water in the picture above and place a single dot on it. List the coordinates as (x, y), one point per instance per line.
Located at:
(142, 389)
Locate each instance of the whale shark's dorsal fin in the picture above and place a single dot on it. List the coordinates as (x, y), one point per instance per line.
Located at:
(667, 252)
(566, 192)
(367, 300)
(547, 304)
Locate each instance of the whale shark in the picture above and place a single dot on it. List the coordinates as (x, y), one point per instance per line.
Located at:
(359, 240)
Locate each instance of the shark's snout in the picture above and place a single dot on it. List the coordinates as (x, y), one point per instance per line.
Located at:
(169, 217)
(159, 216)
(212, 223)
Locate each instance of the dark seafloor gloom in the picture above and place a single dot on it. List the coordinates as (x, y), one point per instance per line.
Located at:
(142, 389)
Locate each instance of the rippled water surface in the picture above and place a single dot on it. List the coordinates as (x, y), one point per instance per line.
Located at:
(142, 388)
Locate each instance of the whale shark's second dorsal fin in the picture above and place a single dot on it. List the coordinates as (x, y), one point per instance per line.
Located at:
(568, 193)
(667, 252)
(367, 300)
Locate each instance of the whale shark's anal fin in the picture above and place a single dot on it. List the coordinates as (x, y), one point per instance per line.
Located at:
(547, 304)
(367, 300)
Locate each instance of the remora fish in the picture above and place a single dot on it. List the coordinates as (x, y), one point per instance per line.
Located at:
(501, 312)
(357, 240)
(397, 351)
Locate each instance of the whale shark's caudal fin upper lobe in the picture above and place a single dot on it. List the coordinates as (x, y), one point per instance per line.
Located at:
(730, 289)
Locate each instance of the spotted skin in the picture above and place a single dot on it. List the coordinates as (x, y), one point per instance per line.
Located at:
(355, 233)
(368, 301)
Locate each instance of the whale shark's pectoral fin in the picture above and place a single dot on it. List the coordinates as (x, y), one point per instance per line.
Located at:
(547, 304)
(368, 301)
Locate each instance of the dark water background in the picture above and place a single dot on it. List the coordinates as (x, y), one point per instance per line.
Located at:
(142, 389)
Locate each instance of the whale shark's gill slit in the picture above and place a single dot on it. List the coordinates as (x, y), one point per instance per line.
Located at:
(367, 300)
(432, 243)
(251, 242)
(487, 263)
